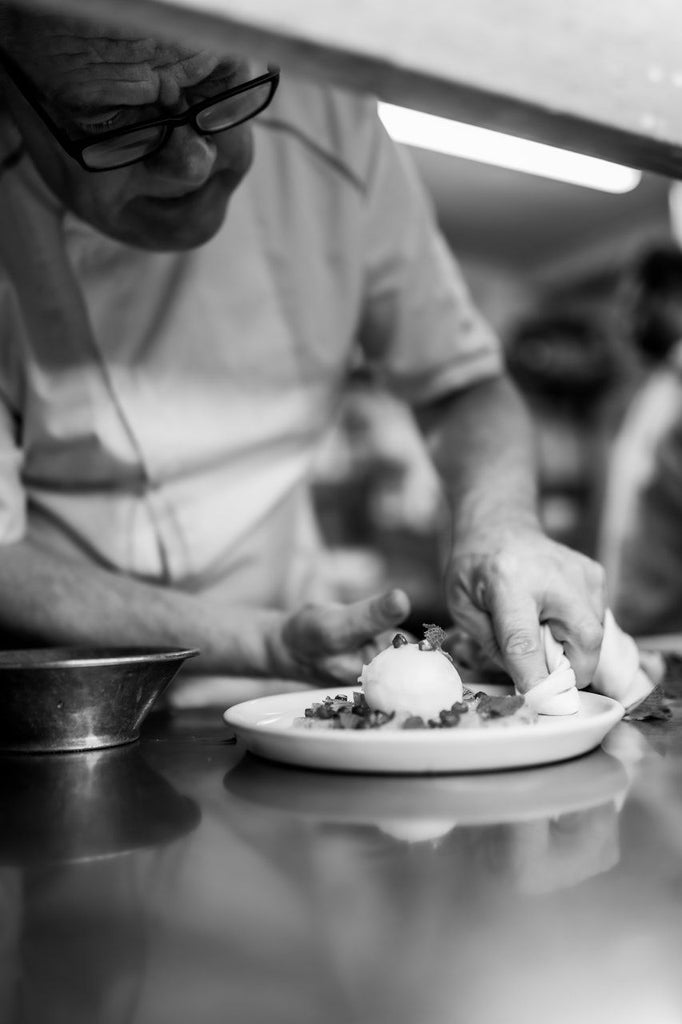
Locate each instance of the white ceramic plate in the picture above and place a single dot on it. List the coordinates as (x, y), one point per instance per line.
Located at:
(266, 728)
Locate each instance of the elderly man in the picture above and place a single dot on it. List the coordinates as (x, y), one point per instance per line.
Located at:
(189, 265)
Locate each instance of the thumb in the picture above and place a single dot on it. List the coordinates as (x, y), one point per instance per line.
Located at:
(350, 626)
(332, 629)
(517, 631)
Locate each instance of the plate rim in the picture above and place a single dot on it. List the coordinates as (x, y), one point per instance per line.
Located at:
(564, 724)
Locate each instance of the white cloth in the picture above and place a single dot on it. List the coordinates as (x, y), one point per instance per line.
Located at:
(619, 674)
(557, 694)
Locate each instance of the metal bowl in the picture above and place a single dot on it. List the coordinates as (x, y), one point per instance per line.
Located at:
(80, 698)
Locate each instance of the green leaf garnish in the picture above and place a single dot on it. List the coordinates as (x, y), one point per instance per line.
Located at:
(434, 635)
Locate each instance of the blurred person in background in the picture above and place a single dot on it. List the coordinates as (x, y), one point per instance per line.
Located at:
(169, 365)
(562, 361)
(379, 503)
(641, 527)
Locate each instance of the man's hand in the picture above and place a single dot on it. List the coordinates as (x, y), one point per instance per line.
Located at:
(503, 585)
(329, 643)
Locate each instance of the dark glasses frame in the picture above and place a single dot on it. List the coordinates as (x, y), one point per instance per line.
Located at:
(76, 148)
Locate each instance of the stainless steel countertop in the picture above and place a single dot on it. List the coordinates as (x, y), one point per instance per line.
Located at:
(180, 880)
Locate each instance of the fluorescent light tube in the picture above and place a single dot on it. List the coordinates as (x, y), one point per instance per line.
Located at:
(427, 131)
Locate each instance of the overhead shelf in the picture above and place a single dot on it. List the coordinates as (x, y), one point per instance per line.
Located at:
(603, 78)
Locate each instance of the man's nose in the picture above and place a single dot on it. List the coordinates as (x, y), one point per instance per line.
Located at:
(187, 158)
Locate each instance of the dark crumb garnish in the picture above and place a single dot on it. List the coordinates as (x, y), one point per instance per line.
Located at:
(497, 707)
(342, 713)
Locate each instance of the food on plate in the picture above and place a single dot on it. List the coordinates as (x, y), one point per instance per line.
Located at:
(416, 679)
(472, 712)
(415, 686)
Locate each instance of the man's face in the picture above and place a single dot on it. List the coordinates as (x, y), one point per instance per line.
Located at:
(95, 79)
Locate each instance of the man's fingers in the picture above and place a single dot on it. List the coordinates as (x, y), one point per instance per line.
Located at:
(580, 627)
(517, 631)
(527, 582)
(582, 643)
(331, 629)
(468, 652)
(472, 640)
(352, 625)
(517, 638)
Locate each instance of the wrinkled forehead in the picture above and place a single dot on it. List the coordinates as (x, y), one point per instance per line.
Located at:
(73, 60)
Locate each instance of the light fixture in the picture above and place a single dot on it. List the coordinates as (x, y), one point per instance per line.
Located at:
(427, 131)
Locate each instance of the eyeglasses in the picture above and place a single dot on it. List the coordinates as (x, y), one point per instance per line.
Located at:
(123, 146)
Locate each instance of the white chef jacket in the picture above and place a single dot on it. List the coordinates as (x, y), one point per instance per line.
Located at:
(160, 412)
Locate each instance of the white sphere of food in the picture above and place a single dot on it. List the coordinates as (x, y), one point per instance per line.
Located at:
(407, 679)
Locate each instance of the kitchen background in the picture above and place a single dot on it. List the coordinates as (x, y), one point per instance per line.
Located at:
(545, 263)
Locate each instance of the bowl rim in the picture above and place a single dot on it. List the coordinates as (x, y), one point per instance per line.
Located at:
(111, 655)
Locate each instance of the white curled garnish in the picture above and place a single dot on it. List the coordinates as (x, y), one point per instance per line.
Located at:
(619, 674)
(557, 694)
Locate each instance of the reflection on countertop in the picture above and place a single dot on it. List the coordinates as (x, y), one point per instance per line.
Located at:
(554, 824)
(57, 808)
(304, 896)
